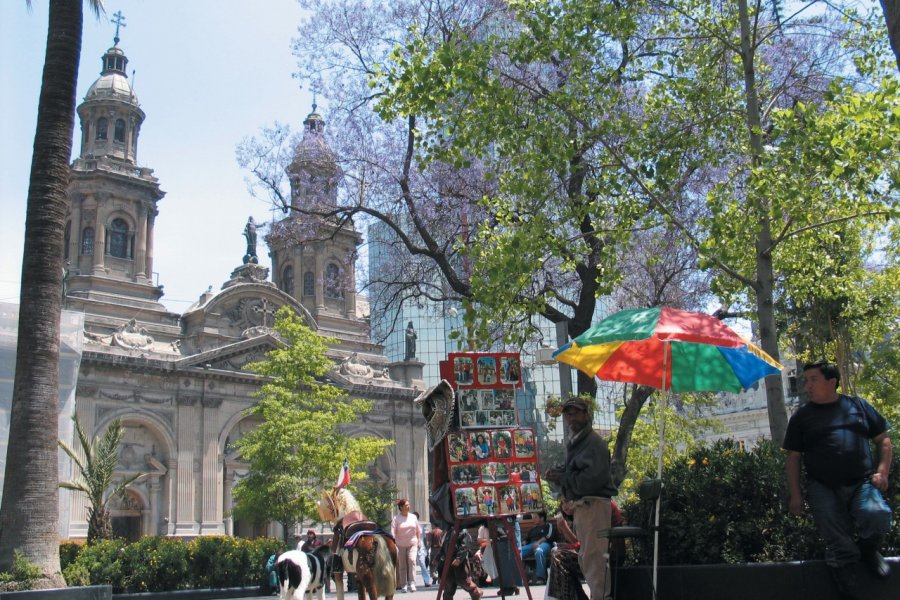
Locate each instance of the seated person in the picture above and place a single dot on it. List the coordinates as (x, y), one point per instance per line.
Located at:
(537, 543)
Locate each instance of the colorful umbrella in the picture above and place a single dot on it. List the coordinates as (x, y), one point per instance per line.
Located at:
(669, 349)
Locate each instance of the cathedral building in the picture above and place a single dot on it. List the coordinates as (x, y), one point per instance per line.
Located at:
(176, 380)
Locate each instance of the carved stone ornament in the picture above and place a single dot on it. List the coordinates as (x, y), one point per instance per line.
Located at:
(211, 402)
(251, 313)
(352, 365)
(132, 337)
(187, 400)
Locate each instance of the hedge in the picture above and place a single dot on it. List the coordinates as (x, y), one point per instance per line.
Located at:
(723, 504)
(156, 564)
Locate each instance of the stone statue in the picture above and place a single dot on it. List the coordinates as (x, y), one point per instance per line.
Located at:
(250, 234)
(410, 342)
(352, 365)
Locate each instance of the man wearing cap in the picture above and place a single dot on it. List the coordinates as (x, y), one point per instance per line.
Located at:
(586, 480)
(311, 542)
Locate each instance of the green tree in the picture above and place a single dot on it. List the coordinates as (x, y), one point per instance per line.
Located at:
(96, 464)
(377, 501)
(29, 510)
(297, 449)
(653, 106)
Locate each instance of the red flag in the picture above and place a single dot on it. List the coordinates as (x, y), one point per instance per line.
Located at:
(344, 477)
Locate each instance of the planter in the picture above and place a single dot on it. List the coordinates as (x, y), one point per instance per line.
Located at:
(242, 592)
(805, 580)
(93, 592)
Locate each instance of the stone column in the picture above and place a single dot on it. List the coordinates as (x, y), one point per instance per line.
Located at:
(319, 273)
(140, 246)
(169, 493)
(212, 475)
(155, 499)
(99, 241)
(78, 521)
(75, 233)
(227, 500)
(185, 520)
(151, 220)
(350, 294)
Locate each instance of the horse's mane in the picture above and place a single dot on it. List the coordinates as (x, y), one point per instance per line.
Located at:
(337, 503)
(346, 503)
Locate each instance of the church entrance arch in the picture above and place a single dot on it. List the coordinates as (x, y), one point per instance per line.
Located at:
(127, 516)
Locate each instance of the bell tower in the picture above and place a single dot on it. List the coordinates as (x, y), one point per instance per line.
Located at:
(314, 255)
(112, 200)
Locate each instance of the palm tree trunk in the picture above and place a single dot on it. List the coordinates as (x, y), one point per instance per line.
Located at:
(29, 512)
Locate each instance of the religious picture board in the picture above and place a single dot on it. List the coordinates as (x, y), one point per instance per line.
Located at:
(485, 385)
(493, 472)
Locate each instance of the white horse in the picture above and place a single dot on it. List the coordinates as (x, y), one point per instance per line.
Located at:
(302, 574)
(373, 555)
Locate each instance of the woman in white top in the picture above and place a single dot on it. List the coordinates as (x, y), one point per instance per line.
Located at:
(408, 537)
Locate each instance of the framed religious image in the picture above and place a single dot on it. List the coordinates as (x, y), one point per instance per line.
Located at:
(505, 399)
(494, 472)
(481, 445)
(482, 419)
(502, 444)
(463, 370)
(468, 400)
(510, 370)
(528, 472)
(487, 370)
(456, 446)
(486, 496)
(467, 419)
(464, 474)
(523, 443)
(466, 501)
(531, 497)
(486, 400)
(510, 501)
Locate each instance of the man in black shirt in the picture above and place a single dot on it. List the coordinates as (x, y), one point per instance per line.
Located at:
(538, 542)
(831, 435)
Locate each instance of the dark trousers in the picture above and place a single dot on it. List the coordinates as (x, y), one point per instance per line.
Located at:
(460, 577)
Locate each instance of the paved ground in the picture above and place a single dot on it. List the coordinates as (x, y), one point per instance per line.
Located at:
(430, 593)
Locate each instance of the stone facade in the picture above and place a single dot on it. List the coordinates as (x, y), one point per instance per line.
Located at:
(176, 380)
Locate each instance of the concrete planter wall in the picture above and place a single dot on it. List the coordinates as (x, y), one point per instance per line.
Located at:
(807, 580)
(93, 592)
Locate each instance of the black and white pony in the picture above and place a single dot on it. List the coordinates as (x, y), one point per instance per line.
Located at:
(302, 574)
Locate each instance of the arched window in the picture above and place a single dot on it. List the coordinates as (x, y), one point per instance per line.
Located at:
(87, 241)
(287, 279)
(119, 134)
(333, 287)
(118, 239)
(102, 126)
(309, 281)
(67, 237)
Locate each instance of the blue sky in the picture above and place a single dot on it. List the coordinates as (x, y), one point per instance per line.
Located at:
(208, 73)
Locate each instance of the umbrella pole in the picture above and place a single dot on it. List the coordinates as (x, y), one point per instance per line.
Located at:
(659, 468)
(659, 463)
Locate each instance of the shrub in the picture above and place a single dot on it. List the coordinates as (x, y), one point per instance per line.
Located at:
(722, 504)
(23, 573)
(214, 562)
(156, 564)
(68, 551)
(99, 563)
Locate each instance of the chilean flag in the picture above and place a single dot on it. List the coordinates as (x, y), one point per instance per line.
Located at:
(344, 477)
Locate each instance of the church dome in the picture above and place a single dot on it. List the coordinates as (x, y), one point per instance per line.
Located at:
(314, 170)
(313, 150)
(112, 86)
(113, 81)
